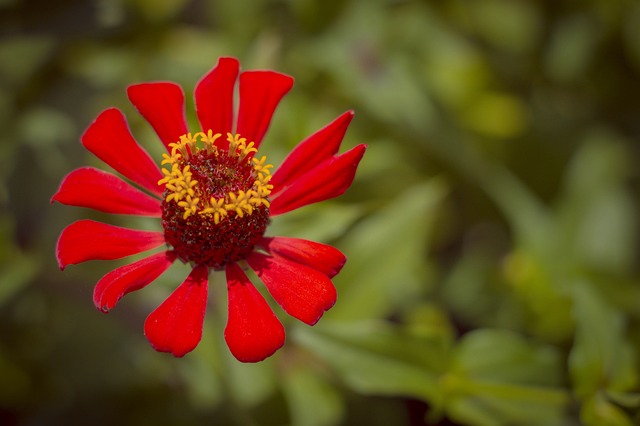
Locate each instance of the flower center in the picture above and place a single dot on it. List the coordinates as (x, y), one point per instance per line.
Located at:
(215, 206)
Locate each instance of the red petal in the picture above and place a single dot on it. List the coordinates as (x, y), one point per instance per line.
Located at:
(105, 192)
(214, 97)
(310, 152)
(253, 331)
(162, 105)
(176, 325)
(89, 240)
(109, 139)
(303, 292)
(329, 179)
(260, 93)
(113, 286)
(321, 257)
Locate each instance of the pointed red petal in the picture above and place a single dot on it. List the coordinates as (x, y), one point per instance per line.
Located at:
(260, 93)
(321, 257)
(303, 293)
(162, 105)
(89, 240)
(329, 179)
(176, 325)
(253, 331)
(105, 192)
(214, 97)
(114, 285)
(109, 139)
(310, 152)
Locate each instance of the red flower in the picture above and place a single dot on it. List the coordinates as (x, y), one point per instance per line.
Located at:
(214, 198)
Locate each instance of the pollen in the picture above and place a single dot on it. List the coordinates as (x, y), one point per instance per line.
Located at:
(216, 204)
(183, 188)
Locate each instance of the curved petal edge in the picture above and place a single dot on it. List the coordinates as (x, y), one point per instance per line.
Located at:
(303, 292)
(115, 284)
(176, 325)
(90, 240)
(110, 139)
(102, 191)
(162, 105)
(321, 257)
(260, 94)
(312, 151)
(214, 97)
(328, 180)
(253, 331)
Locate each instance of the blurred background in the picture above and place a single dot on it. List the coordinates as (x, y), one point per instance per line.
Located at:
(491, 232)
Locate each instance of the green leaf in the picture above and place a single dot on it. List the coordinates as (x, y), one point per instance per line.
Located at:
(535, 284)
(606, 239)
(507, 24)
(596, 212)
(374, 358)
(503, 356)
(597, 411)
(573, 43)
(249, 384)
(204, 387)
(497, 378)
(430, 322)
(386, 252)
(626, 399)
(312, 401)
(601, 354)
(499, 115)
(318, 223)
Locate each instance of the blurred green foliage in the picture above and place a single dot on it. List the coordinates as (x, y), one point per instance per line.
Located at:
(492, 230)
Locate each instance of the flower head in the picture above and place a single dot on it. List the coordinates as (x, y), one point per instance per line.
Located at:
(214, 195)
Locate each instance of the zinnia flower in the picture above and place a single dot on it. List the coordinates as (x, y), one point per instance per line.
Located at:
(214, 197)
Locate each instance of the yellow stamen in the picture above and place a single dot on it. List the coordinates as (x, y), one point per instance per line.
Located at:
(190, 206)
(260, 166)
(216, 208)
(183, 189)
(209, 140)
(166, 159)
